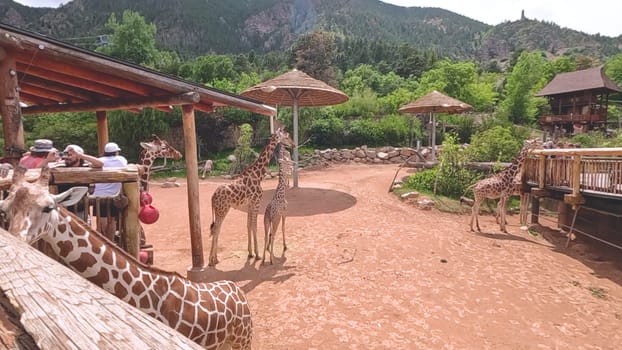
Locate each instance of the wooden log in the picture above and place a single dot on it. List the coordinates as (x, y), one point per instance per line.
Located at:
(12, 127)
(61, 310)
(197, 272)
(79, 175)
(102, 130)
(132, 225)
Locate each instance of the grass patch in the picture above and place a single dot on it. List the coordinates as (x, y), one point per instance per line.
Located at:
(597, 292)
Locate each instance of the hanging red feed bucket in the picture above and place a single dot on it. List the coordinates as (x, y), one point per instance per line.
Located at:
(148, 214)
(145, 198)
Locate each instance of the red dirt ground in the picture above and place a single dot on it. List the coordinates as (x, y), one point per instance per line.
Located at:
(366, 271)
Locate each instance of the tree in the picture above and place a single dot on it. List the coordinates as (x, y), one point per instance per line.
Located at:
(520, 105)
(315, 54)
(133, 39)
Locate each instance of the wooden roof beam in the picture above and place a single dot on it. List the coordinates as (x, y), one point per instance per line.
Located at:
(57, 87)
(24, 96)
(88, 85)
(120, 103)
(49, 94)
(79, 71)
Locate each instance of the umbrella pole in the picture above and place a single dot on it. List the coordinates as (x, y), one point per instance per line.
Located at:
(433, 128)
(295, 172)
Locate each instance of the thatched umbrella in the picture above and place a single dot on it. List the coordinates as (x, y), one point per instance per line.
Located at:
(435, 102)
(294, 89)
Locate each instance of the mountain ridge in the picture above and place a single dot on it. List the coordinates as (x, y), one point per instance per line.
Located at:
(197, 27)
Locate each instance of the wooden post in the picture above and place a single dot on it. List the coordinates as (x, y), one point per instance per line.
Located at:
(132, 225)
(198, 271)
(542, 171)
(13, 129)
(102, 130)
(575, 198)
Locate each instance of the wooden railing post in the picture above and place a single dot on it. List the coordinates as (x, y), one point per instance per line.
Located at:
(542, 171)
(575, 198)
(132, 225)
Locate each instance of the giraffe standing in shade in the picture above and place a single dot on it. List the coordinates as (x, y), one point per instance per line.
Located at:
(157, 148)
(244, 192)
(501, 185)
(213, 315)
(277, 208)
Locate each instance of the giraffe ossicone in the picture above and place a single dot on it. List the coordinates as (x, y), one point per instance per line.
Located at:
(245, 192)
(213, 315)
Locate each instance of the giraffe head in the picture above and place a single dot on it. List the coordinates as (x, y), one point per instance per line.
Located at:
(158, 148)
(30, 206)
(282, 137)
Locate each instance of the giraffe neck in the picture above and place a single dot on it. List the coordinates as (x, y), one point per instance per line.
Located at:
(258, 169)
(105, 264)
(509, 174)
(283, 181)
(146, 159)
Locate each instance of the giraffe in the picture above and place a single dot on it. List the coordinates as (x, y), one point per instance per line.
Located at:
(244, 192)
(157, 148)
(213, 314)
(277, 208)
(501, 185)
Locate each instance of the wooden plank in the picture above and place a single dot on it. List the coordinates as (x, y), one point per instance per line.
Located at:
(79, 175)
(611, 151)
(32, 80)
(61, 310)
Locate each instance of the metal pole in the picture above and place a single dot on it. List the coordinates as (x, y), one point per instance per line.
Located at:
(295, 172)
(433, 128)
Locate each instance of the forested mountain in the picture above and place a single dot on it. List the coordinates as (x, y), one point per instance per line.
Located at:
(200, 27)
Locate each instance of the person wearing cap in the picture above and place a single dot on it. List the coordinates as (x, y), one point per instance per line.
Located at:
(41, 153)
(110, 159)
(74, 156)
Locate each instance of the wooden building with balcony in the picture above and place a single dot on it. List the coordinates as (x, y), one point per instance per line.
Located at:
(578, 101)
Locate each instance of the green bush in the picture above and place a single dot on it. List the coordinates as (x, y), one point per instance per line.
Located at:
(244, 154)
(327, 131)
(495, 144)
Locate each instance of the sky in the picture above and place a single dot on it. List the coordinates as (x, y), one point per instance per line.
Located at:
(592, 17)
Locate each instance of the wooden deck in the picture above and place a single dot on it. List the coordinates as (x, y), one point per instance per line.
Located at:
(578, 171)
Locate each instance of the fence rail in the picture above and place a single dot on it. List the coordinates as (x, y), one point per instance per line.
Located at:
(576, 170)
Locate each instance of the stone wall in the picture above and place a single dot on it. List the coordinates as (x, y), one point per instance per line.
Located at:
(368, 155)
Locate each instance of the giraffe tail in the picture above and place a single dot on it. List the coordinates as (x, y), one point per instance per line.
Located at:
(211, 226)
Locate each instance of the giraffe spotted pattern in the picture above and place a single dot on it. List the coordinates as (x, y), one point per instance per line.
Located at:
(244, 193)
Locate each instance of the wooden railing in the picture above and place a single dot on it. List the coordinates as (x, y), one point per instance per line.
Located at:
(576, 170)
(129, 226)
(573, 118)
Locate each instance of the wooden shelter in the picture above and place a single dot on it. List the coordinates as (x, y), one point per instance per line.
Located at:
(578, 101)
(43, 75)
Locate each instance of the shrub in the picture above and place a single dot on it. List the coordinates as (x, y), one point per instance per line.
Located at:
(495, 144)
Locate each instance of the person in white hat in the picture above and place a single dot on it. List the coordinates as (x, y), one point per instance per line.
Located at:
(74, 156)
(111, 159)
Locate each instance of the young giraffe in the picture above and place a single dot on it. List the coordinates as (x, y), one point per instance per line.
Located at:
(277, 208)
(157, 148)
(500, 185)
(244, 192)
(211, 314)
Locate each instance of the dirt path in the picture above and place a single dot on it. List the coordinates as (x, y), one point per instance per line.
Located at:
(365, 271)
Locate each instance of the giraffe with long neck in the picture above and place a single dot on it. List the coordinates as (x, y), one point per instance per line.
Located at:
(244, 193)
(500, 185)
(276, 210)
(213, 315)
(156, 148)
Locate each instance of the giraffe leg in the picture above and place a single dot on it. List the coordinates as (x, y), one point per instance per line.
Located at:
(215, 231)
(273, 231)
(475, 213)
(502, 205)
(283, 229)
(266, 240)
(253, 251)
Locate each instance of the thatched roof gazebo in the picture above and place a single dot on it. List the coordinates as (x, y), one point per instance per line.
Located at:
(295, 88)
